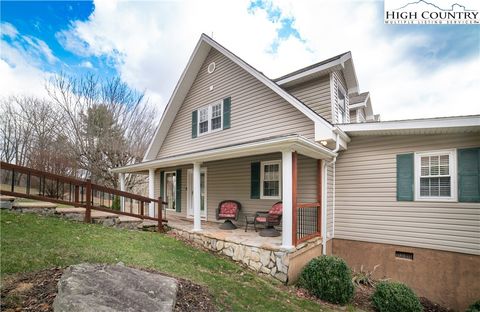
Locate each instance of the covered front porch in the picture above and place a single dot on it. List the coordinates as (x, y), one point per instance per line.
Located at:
(287, 169)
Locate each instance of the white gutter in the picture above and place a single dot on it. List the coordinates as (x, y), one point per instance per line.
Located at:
(324, 211)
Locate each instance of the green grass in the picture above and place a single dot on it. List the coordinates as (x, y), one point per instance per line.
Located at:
(31, 242)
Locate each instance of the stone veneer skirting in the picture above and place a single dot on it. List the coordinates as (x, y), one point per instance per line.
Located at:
(271, 261)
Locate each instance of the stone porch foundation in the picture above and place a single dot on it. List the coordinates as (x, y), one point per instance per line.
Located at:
(282, 264)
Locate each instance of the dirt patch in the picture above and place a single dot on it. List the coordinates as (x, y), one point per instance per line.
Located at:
(35, 291)
(429, 306)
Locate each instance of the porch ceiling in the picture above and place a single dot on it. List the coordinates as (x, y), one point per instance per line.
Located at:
(296, 143)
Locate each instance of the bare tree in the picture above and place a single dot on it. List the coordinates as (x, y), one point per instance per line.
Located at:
(109, 125)
(15, 135)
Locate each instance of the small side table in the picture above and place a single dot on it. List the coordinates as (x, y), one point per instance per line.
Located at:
(249, 219)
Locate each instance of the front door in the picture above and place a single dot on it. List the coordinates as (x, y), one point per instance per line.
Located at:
(203, 193)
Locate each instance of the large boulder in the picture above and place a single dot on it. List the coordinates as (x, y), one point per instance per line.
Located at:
(102, 288)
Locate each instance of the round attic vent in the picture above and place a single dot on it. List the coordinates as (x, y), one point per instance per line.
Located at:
(211, 67)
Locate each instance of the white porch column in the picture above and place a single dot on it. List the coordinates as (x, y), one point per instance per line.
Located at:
(122, 188)
(151, 191)
(196, 197)
(287, 199)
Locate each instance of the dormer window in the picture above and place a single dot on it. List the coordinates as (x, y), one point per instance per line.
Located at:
(342, 106)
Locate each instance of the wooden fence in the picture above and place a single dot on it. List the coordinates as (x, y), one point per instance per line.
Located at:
(24, 182)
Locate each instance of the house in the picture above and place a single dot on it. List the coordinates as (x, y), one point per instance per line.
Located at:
(403, 194)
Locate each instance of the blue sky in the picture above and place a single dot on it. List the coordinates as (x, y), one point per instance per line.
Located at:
(144, 44)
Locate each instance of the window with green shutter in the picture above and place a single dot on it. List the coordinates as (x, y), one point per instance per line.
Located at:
(405, 177)
(194, 124)
(211, 118)
(469, 175)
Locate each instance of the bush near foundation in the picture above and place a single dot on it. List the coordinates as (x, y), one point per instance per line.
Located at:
(475, 307)
(328, 278)
(393, 297)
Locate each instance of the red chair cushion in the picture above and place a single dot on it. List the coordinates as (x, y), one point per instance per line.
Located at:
(228, 210)
(276, 209)
(261, 219)
(226, 215)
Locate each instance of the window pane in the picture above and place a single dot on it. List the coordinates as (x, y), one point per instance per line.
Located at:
(216, 110)
(425, 171)
(216, 123)
(170, 189)
(203, 127)
(203, 114)
(425, 161)
(271, 188)
(434, 187)
(424, 187)
(445, 187)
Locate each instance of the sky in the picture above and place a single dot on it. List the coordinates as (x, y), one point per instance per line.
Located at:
(411, 71)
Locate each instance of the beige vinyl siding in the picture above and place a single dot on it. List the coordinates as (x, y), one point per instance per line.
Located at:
(230, 179)
(315, 94)
(361, 115)
(366, 207)
(256, 111)
(338, 80)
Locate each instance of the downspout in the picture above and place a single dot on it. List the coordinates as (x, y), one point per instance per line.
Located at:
(325, 168)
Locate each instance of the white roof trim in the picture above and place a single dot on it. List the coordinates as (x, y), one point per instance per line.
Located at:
(338, 62)
(295, 143)
(357, 106)
(462, 123)
(177, 98)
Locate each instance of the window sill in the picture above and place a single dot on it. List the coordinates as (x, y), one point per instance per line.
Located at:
(269, 197)
(436, 200)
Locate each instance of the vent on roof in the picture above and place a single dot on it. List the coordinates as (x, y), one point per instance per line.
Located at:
(211, 67)
(404, 255)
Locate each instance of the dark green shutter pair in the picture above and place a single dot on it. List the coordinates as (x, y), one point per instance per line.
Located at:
(178, 185)
(227, 104)
(468, 176)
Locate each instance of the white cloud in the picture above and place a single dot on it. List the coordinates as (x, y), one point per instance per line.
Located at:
(19, 66)
(86, 64)
(149, 44)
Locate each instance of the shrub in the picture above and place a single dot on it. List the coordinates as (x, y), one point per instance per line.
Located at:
(364, 277)
(393, 297)
(475, 307)
(116, 203)
(328, 278)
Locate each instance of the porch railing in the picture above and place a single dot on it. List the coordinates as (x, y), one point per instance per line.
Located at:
(308, 223)
(24, 182)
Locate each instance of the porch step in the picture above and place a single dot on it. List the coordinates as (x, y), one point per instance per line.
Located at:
(43, 208)
(6, 202)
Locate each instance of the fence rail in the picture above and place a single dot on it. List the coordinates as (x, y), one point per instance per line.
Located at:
(19, 181)
(308, 221)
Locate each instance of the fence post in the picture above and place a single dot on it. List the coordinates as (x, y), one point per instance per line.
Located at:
(159, 214)
(88, 211)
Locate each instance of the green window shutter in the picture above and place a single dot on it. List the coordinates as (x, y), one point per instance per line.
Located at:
(255, 180)
(194, 124)
(469, 175)
(162, 185)
(405, 177)
(227, 103)
(178, 197)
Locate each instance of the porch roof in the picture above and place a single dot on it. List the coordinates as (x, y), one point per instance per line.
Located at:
(268, 145)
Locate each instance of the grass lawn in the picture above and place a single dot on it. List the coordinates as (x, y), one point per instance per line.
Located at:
(31, 242)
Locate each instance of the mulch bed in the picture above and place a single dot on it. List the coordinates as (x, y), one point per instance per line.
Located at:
(361, 300)
(35, 291)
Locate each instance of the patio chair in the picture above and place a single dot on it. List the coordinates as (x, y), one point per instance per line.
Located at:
(270, 218)
(228, 210)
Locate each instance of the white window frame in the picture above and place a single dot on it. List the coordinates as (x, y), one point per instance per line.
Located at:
(165, 188)
(262, 172)
(341, 90)
(452, 172)
(210, 111)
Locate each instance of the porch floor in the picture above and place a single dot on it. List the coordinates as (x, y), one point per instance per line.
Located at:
(238, 236)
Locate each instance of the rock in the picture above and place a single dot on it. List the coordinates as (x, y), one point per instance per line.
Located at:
(228, 251)
(265, 270)
(99, 287)
(281, 277)
(273, 271)
(271, 264)
(220, 245)
(265, 257)
(254, 265)
(239, 253)
(255, 256)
